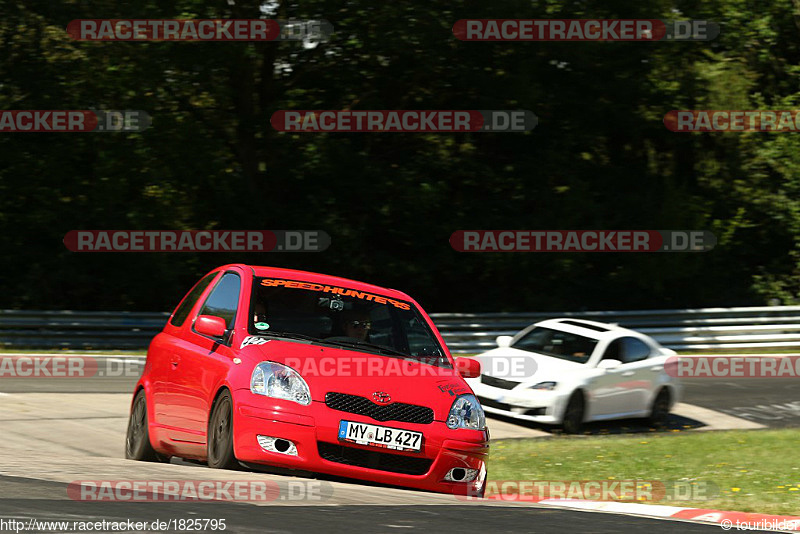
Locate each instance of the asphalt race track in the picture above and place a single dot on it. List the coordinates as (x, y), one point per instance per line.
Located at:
(402, 517)
(57, 440)
(60, 430)
(774, 402)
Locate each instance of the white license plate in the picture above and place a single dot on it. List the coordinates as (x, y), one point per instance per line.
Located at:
(380, 436)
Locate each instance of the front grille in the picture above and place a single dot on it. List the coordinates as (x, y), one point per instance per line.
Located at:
(498, 382)
(396, 411)
(489, 403)
(381, 461)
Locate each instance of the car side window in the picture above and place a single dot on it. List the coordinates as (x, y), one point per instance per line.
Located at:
(613, 351)
(634, 350)
(420, 339)
(224, 299)
(185, 307)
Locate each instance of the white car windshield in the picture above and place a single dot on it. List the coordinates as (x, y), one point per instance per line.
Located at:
(557, 343)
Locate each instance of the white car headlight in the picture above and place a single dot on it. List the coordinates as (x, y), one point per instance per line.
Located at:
(548, 386)
(466, 412)
(281, 382)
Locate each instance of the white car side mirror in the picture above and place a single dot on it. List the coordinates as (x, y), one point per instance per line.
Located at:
(609, 364)
(504, 341)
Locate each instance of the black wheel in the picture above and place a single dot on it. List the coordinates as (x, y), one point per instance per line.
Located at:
(220, 434)
(137, 439)
(573, 415)
(660, 409)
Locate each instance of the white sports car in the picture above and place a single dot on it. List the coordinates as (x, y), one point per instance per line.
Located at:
(582, 371)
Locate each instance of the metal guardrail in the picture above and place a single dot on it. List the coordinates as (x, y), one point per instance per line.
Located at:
(690, 329)
(79, 330)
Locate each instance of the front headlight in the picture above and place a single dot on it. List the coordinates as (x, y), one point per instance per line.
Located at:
(466, 412)
(547, 386)
(281, 382)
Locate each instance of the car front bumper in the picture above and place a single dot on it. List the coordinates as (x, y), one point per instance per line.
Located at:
(541, 406)
(314, 431)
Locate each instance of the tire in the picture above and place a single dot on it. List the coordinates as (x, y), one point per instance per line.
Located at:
(220, 434)
(660, 408)
(572, 423)
(137, 438)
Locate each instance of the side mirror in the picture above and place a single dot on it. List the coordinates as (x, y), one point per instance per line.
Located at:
(468, 367)
(210, 325)
(609, 364)
(504, 341)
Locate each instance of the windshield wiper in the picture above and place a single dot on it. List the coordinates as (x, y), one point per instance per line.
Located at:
(289, 335)
(373, 346)
(351, 344)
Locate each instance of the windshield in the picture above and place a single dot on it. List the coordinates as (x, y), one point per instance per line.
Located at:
(557, 343)
(342, 317)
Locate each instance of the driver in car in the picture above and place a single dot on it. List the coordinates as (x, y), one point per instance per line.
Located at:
(355, 324)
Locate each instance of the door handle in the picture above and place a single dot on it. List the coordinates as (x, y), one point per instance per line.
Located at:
(627, 373)
(175, 360)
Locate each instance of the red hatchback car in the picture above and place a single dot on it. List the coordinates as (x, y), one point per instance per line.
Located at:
(310, 372)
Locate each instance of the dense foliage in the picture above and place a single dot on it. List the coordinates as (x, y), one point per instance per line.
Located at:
(600, 157)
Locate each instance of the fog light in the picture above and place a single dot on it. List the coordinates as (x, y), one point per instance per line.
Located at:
(461, 474)
(279, 445)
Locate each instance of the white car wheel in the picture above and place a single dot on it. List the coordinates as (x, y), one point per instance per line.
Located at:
(572, 423)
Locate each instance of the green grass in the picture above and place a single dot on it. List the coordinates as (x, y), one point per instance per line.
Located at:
(754, 471)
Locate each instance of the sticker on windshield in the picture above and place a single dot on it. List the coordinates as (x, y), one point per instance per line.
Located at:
(334, 290)
(253, 340)
(262, 326)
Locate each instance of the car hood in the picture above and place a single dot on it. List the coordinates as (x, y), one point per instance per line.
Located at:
(333, 370)
(536, 367)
